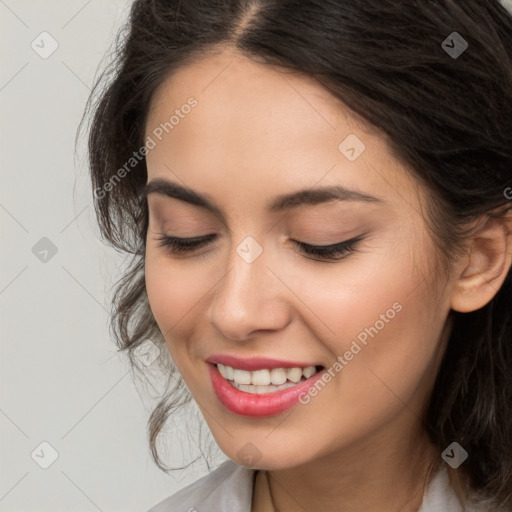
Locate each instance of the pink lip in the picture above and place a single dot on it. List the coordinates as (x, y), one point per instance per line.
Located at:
(254, 363)
(254, 405)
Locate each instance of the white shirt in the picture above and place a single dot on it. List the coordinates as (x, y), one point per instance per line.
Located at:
(229, 489)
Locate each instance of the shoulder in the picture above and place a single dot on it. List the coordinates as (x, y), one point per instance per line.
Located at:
(229, 487)
(440, 495)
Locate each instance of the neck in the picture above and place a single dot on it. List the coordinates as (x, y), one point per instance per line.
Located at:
(361, 478)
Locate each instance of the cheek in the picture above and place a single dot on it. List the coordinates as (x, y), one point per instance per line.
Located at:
(350, 296)
(174, 296)
(381, 319)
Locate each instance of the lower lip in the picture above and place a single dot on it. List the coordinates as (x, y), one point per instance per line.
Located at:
(256, 405)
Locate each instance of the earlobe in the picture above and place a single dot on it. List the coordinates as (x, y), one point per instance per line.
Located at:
(483, 270)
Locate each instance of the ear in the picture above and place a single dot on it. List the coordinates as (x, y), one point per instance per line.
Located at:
(482, 271)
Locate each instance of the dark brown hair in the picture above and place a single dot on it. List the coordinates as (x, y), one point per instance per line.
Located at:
(447, 117)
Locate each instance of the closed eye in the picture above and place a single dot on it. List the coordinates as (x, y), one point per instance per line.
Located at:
(179, 246)
(333, 251)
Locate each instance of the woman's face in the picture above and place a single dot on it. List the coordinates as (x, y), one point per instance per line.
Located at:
(243, 136)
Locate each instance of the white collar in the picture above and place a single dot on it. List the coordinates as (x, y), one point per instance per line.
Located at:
(230, 487)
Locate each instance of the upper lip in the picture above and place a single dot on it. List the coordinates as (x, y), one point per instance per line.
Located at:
(254, 363)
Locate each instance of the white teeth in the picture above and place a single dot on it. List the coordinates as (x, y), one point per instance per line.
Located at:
(260, 378)
(294, 374)
(242, 377)
(259, 390)
(309, 371)
(266, 378)
(278, 376)
(222, 370)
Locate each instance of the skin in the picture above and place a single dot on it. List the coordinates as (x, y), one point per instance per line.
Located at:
(256, 133)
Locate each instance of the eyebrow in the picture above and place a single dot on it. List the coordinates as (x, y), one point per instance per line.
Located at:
(304, 197)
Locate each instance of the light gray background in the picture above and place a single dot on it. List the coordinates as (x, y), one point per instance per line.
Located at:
(61, 379)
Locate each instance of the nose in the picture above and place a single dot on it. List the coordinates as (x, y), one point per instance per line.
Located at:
(249, 298)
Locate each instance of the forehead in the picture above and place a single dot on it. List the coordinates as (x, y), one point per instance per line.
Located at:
(260, 128)
(244, 83)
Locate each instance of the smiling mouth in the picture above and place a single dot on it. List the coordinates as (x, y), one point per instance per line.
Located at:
(266, 380)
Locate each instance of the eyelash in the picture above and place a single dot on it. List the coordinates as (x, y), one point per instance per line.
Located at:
(326, 252)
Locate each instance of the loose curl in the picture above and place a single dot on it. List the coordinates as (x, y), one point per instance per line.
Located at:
(448, 119)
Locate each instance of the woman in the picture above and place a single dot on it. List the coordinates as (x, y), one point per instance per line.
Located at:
(317, 195)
